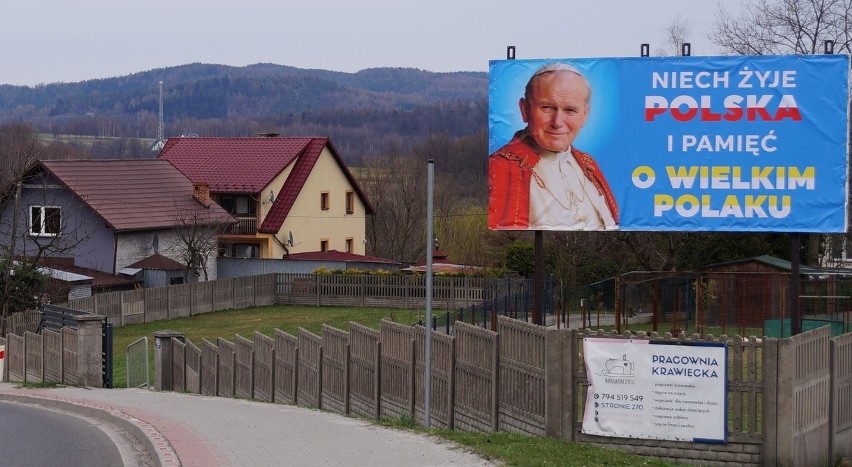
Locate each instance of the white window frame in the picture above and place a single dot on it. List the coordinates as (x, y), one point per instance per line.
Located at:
(43, 217)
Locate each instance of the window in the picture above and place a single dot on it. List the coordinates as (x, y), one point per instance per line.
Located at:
(324, 200)
(45, 220)
(239, 250)
(239, 205)
(349, 245)
(323, 245)
(350, 202)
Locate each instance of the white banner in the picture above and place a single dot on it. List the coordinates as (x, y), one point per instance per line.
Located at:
(642, 389)
(2, 360)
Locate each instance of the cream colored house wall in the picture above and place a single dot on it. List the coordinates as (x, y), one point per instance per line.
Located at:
(308, 222)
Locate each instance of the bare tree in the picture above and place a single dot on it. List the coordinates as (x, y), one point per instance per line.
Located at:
(32, 222)
(462, 231)
(196, 239)
(676, 34)
(395, 186)
(777, 27)
(18, 150)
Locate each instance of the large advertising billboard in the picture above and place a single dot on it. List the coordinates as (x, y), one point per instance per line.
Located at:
(746, 143)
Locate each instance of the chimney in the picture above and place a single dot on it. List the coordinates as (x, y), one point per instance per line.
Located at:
(201, 192)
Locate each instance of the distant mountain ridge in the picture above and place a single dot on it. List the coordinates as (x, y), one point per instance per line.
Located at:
(204, 91)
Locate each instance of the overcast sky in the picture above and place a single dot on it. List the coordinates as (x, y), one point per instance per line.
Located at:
(46, 41)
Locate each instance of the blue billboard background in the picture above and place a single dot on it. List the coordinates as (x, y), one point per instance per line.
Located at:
(708, 143)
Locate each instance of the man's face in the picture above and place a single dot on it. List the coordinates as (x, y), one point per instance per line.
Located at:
(556, 110)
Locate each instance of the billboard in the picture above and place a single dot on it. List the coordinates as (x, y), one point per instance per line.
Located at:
(656, 390)
(746, 143)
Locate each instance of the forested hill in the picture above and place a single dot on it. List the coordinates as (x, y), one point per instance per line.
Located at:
(204, 91)
(372, 112)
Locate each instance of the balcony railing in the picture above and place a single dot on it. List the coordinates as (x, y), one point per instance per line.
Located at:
(246, 225)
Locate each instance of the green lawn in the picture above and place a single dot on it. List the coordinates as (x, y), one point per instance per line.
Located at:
(509, 448)
(244, 322)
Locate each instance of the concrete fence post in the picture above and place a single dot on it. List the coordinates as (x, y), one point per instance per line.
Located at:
(784, 419)
(770, 365)
(90, 350)
(559, 391)
(163, 359)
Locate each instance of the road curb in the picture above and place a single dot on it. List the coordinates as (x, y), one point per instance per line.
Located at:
(155, 444)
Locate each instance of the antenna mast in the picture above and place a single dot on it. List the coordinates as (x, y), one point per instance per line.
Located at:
(161, 127)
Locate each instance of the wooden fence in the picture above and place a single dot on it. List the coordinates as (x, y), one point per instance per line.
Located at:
(788, 399)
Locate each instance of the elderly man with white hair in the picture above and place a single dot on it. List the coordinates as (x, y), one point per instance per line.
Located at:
(539, 180)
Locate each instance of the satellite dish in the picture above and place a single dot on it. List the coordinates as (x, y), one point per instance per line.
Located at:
(271, 197)
(290, 238)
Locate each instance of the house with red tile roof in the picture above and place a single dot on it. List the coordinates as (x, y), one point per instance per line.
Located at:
(110, 214)
(289, 194)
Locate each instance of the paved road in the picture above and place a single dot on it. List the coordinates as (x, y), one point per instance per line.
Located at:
(193, 430)
(34, 436)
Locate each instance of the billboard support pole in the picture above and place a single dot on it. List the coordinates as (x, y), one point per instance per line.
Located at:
(538, 291)
(793, 296)
(538, 275)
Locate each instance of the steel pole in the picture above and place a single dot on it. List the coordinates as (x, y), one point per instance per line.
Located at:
(427, 346)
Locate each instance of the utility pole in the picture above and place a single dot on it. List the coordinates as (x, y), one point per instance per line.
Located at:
(161, 125)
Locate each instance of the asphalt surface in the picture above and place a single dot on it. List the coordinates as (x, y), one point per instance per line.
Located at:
(34, 436)
(192, 430)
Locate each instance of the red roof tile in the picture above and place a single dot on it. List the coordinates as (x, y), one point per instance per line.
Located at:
(249, 164)
(233, 165)
(134, 194)
(291, 189)
(335, 255)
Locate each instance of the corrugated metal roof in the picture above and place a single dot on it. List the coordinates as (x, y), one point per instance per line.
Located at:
(135, 194)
